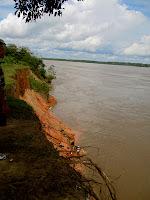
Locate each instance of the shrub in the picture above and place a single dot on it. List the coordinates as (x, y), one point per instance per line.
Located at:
(22, 55)
(39, 86)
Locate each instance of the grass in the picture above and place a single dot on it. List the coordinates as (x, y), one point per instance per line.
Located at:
(36, 84)
(9, 73)
(39, 86)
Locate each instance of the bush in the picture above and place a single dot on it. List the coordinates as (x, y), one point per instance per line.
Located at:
(50, 78)
(22, 55)
(21, 58)
(39, 86)
(42, 72)
(50, 74)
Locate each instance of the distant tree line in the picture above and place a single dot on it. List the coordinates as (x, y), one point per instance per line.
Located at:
(103, 62)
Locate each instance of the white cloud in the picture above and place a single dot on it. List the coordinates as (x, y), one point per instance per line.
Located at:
(141, 48)
(88, 44)
(90, 26)
(6, 2)
(12, 27)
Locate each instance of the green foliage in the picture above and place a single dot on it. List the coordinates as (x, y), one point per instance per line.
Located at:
(36, 84)
(10, 59)
(23, 56)
(42, 72)
(9, 74)
(10, 71)
(11, 50)
(50, 77)
(39, 86)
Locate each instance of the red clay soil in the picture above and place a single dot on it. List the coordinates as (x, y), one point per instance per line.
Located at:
(22, 82)
(52, 101)
(55, 130)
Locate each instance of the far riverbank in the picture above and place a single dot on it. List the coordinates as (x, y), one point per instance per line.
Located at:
(101, 62)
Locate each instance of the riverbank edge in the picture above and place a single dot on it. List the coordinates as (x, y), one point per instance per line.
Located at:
(18, 123)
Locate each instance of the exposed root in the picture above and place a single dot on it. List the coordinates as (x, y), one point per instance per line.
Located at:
(106, 188)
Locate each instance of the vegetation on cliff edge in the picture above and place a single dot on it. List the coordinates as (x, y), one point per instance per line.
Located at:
(32, 168)
(21, 58)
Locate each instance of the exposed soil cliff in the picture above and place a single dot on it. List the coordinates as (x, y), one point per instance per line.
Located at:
(31, 167)
(52, 101)
(21, 82)
(56, 131)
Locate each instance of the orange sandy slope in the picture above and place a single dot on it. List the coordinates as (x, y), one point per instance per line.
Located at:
(56, 131)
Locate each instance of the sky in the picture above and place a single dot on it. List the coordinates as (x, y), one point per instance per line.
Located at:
(102, 30)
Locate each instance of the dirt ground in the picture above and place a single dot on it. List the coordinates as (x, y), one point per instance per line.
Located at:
(33, 169)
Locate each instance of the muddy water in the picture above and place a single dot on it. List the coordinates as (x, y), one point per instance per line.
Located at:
(110, 108)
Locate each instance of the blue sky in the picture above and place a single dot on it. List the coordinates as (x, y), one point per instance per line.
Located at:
(139, 5)
(107, 30)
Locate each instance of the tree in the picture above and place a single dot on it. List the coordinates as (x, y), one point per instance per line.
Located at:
(34, 9)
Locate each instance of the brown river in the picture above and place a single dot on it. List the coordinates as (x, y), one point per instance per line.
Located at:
(109, 107)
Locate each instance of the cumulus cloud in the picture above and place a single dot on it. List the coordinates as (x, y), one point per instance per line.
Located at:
(92, 26)
(12, 27)
(141, 48)
(6, 2)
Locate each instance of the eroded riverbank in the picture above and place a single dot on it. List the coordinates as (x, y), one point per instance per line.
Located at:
(58, 133)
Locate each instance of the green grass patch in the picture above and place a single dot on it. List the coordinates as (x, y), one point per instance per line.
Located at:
(10, 72)
(36, 84)
(39, 86)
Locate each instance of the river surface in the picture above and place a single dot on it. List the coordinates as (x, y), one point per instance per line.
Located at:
(109, 106)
